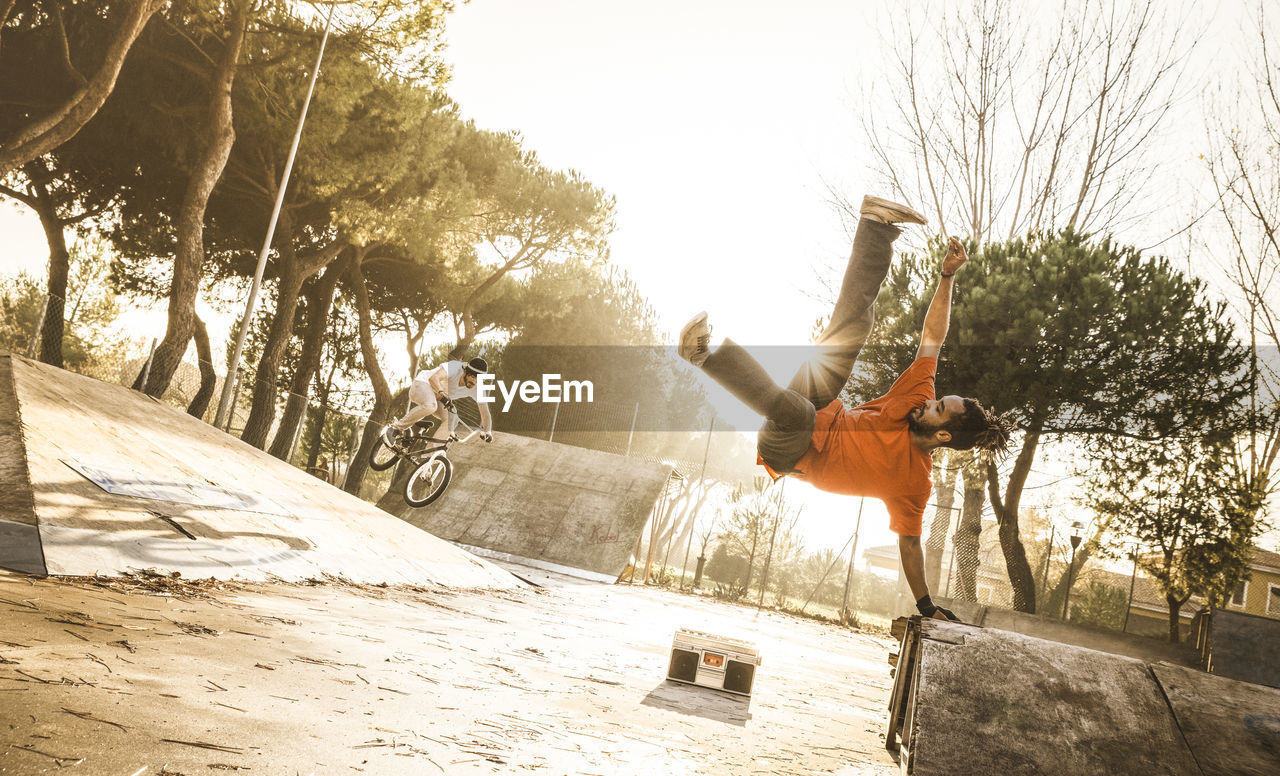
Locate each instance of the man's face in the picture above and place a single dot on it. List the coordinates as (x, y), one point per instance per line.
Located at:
(935, 414)
(469, 380)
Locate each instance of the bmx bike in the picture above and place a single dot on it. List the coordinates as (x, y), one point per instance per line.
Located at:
(418, 444)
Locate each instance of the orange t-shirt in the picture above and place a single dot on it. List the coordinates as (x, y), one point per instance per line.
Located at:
(867, 451)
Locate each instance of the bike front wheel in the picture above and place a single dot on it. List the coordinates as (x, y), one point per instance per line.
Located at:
(428, 481)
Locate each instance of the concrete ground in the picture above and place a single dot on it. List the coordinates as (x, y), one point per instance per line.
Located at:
(155, 676)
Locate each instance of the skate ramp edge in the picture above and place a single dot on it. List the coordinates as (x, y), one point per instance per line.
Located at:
(117, 481)
(1050, 629)
(19, 535)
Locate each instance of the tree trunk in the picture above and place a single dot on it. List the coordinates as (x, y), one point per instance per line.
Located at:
(319, 304)
(317, 425)
(208, 377)
(464, 342)
(52, 329)
(6, 8)
(67, 119)
(262, 410)
(768, 558)
(751, 558)
(188, 261)
(1021, 579)
(1015, 560)
(937, 542)
(295, 270)
(969, 533)
(1175, 614)
(381, 393)
(411, 343)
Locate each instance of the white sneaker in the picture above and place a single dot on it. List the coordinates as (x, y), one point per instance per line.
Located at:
(695, 340)
(888, 212)
(389, 435)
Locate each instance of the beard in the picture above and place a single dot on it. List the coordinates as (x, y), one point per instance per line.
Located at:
(916, 426)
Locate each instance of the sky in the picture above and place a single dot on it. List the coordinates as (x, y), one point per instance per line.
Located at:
(718, 125)
(714, 124)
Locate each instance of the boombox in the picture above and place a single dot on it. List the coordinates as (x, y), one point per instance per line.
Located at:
(713, 661)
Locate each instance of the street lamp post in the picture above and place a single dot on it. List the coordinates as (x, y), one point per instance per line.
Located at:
(224, 400)
(1133, 578)
(1075, 542)
(848, 580)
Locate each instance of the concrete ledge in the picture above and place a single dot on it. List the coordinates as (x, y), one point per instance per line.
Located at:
(1239, 645)
(986, 701)
(1101, 639)
(20, 548)
(16, 502)
(973, 700)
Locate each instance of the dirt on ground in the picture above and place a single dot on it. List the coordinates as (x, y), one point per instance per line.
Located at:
(160, 675)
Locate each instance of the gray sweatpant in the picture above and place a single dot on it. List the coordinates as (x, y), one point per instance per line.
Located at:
(789, 413)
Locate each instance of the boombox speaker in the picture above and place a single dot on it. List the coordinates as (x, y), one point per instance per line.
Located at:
(713, 661)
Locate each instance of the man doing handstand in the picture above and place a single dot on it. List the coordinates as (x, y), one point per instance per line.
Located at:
(882, 449)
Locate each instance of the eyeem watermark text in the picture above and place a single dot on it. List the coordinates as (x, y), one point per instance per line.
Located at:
(552, 390)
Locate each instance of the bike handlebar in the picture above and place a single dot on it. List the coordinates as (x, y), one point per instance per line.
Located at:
(453, 437)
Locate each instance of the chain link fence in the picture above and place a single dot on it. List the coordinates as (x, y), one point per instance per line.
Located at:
(965, 559)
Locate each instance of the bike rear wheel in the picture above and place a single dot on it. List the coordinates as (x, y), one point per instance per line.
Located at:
(428, 481)
(382, 457)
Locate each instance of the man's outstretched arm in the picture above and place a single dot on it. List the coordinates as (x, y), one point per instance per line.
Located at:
(912, 555)
(938, 319)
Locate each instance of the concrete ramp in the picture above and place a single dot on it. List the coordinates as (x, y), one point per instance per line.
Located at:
(1042, 627)
(99, 479)
(552, 505)
(971, 700)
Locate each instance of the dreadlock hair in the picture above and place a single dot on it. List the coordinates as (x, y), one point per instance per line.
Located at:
(980, 428)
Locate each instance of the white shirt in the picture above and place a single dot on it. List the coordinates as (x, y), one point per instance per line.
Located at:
(454, 376)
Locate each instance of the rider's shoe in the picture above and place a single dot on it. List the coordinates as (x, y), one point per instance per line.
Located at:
(695, 340)
(887, 212)
(390, 436)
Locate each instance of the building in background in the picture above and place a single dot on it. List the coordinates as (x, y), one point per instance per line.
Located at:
(1148, 613)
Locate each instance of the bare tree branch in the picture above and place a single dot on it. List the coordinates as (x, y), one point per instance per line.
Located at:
(64, 47)
(46, 134)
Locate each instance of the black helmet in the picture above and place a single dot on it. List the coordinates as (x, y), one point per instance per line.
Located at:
(477, 366)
